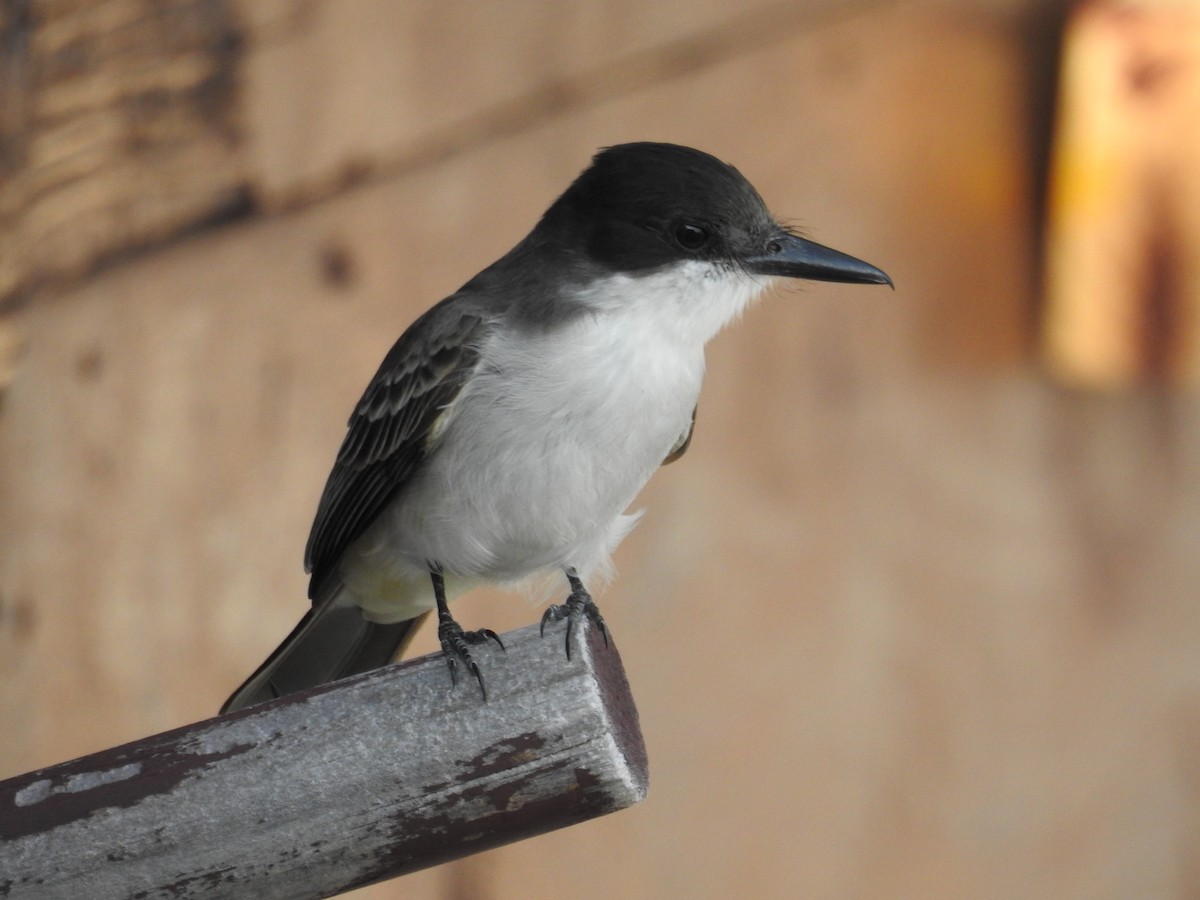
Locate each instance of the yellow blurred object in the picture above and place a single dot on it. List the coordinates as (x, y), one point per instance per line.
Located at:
(1123, 247)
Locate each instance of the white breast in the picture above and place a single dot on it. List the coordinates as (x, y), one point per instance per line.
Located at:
(557, 433)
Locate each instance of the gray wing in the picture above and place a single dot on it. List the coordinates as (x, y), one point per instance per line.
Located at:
(389, 430)
(682, 442)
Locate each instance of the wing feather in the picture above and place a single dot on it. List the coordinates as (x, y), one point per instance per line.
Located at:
(390, 429)
(683, 441)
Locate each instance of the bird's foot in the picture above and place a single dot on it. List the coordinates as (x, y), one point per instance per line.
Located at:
(456, 645)
(579, 604)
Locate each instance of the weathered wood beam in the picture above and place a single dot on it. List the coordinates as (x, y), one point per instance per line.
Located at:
(330, 789)
(119, 127)
(1123, 239)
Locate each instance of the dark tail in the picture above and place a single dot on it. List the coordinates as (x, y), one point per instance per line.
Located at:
(332, 641)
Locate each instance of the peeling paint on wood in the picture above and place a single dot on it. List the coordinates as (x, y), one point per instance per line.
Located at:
(334, 788)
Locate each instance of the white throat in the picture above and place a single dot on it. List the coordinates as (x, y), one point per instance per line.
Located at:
(687, 303)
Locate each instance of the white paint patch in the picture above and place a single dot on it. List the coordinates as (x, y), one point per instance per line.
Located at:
(84, 781)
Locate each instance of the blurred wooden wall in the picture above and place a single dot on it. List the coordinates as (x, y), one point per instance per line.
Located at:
(909, 620)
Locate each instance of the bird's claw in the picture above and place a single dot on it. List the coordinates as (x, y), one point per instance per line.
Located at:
(579, 604)
(456, 648)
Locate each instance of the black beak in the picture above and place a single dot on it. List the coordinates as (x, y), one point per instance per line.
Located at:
(789, 256)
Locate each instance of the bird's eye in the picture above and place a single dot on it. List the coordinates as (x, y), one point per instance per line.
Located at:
(690, 236)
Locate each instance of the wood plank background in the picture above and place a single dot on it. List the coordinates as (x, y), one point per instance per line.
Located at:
(909, 619)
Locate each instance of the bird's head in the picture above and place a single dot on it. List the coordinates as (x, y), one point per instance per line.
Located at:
(640, 208)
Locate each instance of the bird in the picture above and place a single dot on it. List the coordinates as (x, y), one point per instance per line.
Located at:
(511, 426)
